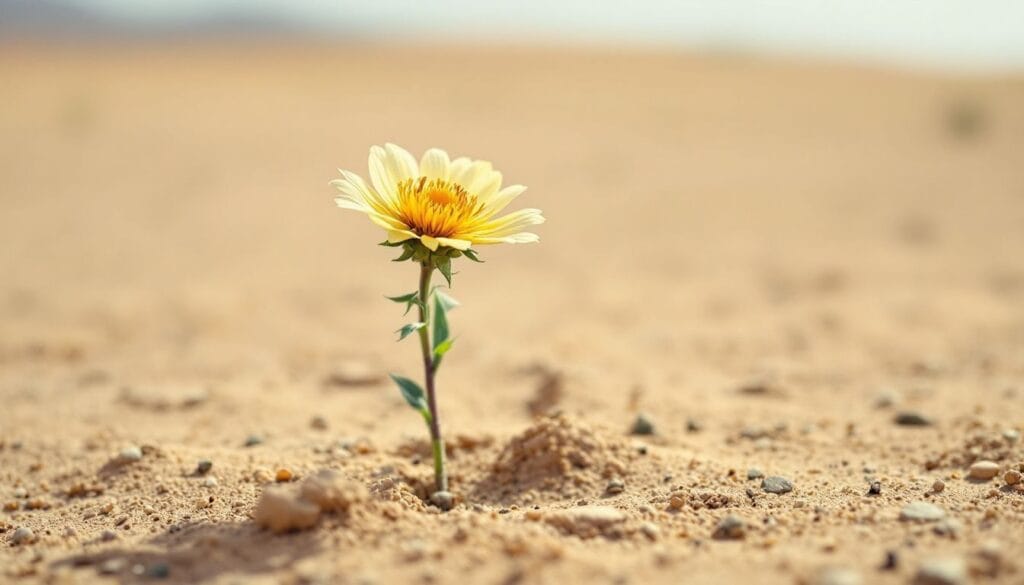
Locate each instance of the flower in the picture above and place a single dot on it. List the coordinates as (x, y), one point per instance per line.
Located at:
(439, 201)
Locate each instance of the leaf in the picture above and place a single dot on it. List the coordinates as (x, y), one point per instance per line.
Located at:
(409, 300)
(391, 244)
(407, 330)
(441, 333)
(441, 349)
(471, 254)
(444, 265)
(407, 253)
(447, 300)
(412, 393)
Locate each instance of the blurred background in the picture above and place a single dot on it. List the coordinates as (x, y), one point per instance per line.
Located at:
(760, 168)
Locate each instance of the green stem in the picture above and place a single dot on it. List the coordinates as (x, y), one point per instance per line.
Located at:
(440, 475)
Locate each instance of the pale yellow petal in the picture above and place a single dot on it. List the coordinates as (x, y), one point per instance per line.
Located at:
(435, 164)
(502, 199)
(430, 243)
(505, 225)
(396, 236)
(455, 243)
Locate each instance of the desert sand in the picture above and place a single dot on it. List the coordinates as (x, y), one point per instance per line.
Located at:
(810, 271)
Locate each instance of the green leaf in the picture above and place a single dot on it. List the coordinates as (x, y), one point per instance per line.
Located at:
(471, 254)
(444, 265)
(407, 253)
(391, 244)
(409, 300)
(447, 300)
(441, 333)
(412, 393)
(441, 349)
(407, 330)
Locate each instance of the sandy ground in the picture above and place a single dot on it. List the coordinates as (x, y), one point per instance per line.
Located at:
(772, 261)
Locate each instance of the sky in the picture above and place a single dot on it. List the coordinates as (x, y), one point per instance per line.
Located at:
(962, 34)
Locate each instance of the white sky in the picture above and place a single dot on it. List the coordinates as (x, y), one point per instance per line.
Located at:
(986, 34)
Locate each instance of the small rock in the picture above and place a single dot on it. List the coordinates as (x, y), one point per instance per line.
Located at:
(943, 571)
(754, 473)
(1011, 436)
(443, 500)
(950, 527)
(587, 521)
(891, 562)
(694, 426)
(839, 576)
(20, 493)
(281, 510)
(650, 530)
(886, 399)
(112, 566)
(204, 466)
(331, 492)
(210, 482)
(730, 528)
(643, 425)
(875, 488)
(70, 532)
(129, 454)
(158, 571)
(253, 440)
(983, 470)
(283, 475)
(108, 535)
(615, 486)
(776, 485)
(922, 512)
(262, 476)
(23, 535)
(318, 423)
(912, 419)
(352, 373)
(1012, 477)
(938, 486)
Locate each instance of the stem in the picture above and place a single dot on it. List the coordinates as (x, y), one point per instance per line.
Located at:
(440, 475)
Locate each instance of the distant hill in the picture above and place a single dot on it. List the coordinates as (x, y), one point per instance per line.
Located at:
(53, 19)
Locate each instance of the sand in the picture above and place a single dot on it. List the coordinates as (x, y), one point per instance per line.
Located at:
(772, 261)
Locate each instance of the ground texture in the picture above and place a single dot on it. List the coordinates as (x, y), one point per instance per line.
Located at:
(805, 271)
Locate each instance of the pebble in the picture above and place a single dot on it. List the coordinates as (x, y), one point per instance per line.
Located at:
(112, 566)
(443, 500)
(283, 475)
(875, 488)
(839, 576)
(776, 485)
(158, 571)
(983, 470)
(587, 521)
(281, 511)
(730, 528)
(754, 473)
(942, 571)
(253, 440)
(650, 530)
(20, 493)
(643, 425)
(615, 486)
(922, 512)
(129, 454)
(1012, 477)
(912, 419)
(23, 535)
(353, 373)
(1011, 435)
(938, 486)
(204, 466)
(891, 562)
(694, 426)
(210, 482)
(318, 423)
(886, 399)
(262, 476)
(108, 535)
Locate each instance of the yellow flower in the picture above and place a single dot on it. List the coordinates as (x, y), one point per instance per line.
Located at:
(441, 202)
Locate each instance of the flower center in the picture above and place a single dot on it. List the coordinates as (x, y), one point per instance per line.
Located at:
(435, 207)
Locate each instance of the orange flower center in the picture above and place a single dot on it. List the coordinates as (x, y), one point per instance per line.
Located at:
(435, 207)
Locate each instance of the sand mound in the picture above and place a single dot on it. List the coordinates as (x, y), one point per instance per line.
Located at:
(556, 454)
